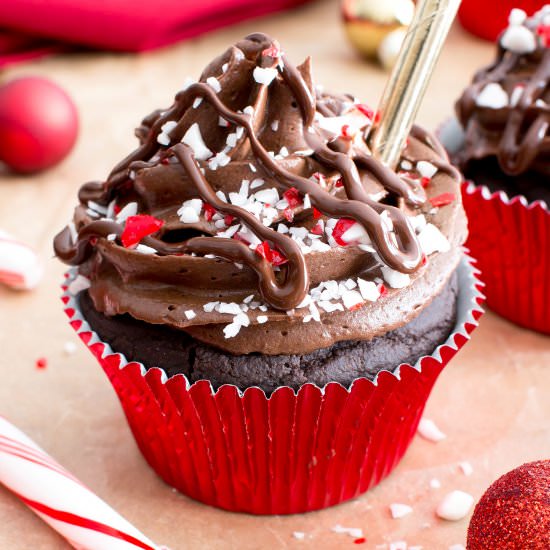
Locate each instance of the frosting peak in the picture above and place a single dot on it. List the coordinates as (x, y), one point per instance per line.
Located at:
(255, 181)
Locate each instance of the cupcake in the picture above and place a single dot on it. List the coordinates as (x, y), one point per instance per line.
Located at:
(271, 304)
(502, 145)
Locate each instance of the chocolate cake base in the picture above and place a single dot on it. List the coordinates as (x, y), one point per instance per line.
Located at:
(533, 186)
(178, 353)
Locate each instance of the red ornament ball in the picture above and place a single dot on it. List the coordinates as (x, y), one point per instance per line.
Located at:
(514, 512)
(38, 124)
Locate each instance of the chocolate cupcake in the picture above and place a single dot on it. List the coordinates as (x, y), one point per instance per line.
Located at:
(502, 145)
(253, 241)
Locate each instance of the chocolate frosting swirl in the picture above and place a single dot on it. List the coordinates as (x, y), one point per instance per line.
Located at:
(273, 130)
(505, 112)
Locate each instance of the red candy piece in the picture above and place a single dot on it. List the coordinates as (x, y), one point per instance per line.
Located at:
(345, 131)
(138, 227)
(443, 199)
(228, 219)
(365, 109)
(271, 255)
(288, 213)
(360, 540)
(425, 181)
(316, 213)
(339, 183)
(317, 230)
(383, 290)
(41, 363)
(293, 197)
(38, 124)
(273, 51)
(209, 211)
(544, 32)
(340, 228)
(320, 178)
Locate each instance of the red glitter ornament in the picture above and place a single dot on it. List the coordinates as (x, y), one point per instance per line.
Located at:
(138, 227)
(38, 124)
(514, 512)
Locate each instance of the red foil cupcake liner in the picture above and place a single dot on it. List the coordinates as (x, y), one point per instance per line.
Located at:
(487, 19)
(287, 453)
(510, 239)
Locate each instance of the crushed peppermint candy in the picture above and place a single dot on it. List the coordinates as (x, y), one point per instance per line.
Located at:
(493, 96)
(137, 227)
(466, 468)
(428, 430)
(517, 37)
(398, 510)
(394, 278)
(354, 532)
(190, 314)
(455, 506)
(426, 169)
(264, 75)
(299, 535)
(193, 138)
(214, 83)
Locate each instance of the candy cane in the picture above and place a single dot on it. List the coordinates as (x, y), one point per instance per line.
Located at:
(20, 267)
(60, 499)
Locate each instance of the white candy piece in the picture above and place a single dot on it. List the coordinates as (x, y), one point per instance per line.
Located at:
(20, 267)
(48, 489)
(264, 75)
(399, 511)
(394, 278)
(193, 138)
(455, 506)
(519, 39)
(517, 17)
(493, 96)
(432, 240)
(428, 430)
(426, 169)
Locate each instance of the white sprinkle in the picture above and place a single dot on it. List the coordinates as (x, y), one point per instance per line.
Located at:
(394, 278)
(213, 82)
(516, 94)
(229, 307)
(435, 483)
(97, 208)
(248, 299)
(79, 284)
(406, 165)
(69, 348)
(163, 139)
(195, 204)
(432, 240)
(493, 96)
(466, 468)
(221, 195)
(351, 299)
(275, 125)
(144, 249)
(129, 210)
(190, 314)
(188, 214)
(261, 319)
(193, 138)
(519, 39)
(73, 232)
(354, 532)
(369, 291)
(284, 152)
(252, 167)
(231, 330)
(221, 159)
(307, 201)
(426, 169)
(188, 82)
(224, 67)
(231, 139)
(267, 196)
(264, 75)
(258, 182)
(399, 511)
(517, 17)
(428, 430)
(455, 506)
(210, 306)
(197, 102)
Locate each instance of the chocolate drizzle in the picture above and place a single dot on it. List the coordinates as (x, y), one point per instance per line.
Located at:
(518, 135)
(286, 287)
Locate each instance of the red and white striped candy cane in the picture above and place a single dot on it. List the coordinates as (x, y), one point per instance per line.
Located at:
(60, 499)
(20, 267)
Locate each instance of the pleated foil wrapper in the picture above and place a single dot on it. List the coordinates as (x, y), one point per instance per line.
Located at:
(510, 239)
(288, 452)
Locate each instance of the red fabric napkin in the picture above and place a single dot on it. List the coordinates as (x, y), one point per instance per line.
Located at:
(126, 25)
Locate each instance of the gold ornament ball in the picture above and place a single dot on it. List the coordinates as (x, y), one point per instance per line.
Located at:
(376, 28)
